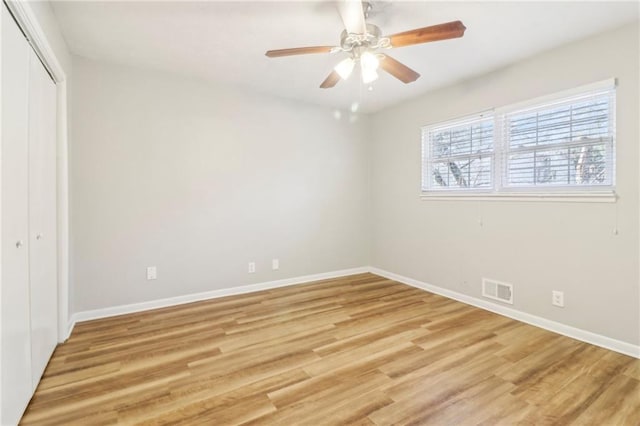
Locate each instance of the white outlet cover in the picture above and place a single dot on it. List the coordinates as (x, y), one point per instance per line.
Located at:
(252, 267)
(152, 273)
(557, 298)
(275, 264)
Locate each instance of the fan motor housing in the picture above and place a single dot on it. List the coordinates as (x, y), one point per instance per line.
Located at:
(371, 39)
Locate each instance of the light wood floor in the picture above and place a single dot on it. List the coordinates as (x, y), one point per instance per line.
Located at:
(357, 350)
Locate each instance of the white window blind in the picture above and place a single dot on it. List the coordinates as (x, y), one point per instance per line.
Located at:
(566, 143)
(559, 144)
(458, 155)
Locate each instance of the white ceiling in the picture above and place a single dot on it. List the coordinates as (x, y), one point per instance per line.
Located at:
(225, 42)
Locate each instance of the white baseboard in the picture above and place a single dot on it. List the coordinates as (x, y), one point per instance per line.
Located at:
(213, 294)
(556, 327)
(70, 325)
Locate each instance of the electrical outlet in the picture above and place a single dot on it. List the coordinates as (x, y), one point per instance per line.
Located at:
(275, 264)
(557, 298)
(152, 273)
(252, 267)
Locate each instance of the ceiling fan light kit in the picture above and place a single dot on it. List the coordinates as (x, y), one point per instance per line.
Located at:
(363, 40)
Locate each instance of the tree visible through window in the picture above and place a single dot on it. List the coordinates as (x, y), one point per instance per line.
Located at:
(462, 155)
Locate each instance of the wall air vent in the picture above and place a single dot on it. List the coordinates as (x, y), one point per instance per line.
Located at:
(497, 290)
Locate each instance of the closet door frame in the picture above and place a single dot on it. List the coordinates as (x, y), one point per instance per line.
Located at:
(28, 23)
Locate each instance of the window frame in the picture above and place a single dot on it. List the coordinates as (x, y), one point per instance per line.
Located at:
(499, 189)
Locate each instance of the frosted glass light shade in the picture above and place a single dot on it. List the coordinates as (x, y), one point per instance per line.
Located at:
(369, 64)
(369, 75)
(345, 68)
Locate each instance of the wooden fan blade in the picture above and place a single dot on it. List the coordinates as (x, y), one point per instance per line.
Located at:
(331, 80)
(445, 31)
(299, 51)
(352, 16)
(398, 70)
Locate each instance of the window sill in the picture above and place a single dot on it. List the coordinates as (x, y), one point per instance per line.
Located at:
(560, 197)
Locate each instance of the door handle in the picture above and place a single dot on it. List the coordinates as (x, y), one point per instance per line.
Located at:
(39, 237)
(19, 244)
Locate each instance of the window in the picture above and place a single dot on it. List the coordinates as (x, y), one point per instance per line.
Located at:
(562, 143)
(459, 155)
(568, 143)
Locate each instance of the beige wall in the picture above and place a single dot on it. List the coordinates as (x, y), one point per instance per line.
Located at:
(537, 246)
(199, 180)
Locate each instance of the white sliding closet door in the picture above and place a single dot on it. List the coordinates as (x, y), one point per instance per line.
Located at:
(42, 217)
(28, 240)
(14, 261)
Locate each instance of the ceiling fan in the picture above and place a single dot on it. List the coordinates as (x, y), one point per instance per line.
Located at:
(362, 41)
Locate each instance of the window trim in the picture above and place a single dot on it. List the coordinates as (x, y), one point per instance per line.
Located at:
(561, 197)
(500, 192)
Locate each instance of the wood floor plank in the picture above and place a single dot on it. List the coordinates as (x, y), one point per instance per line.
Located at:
(359, 350)
(621, 397)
